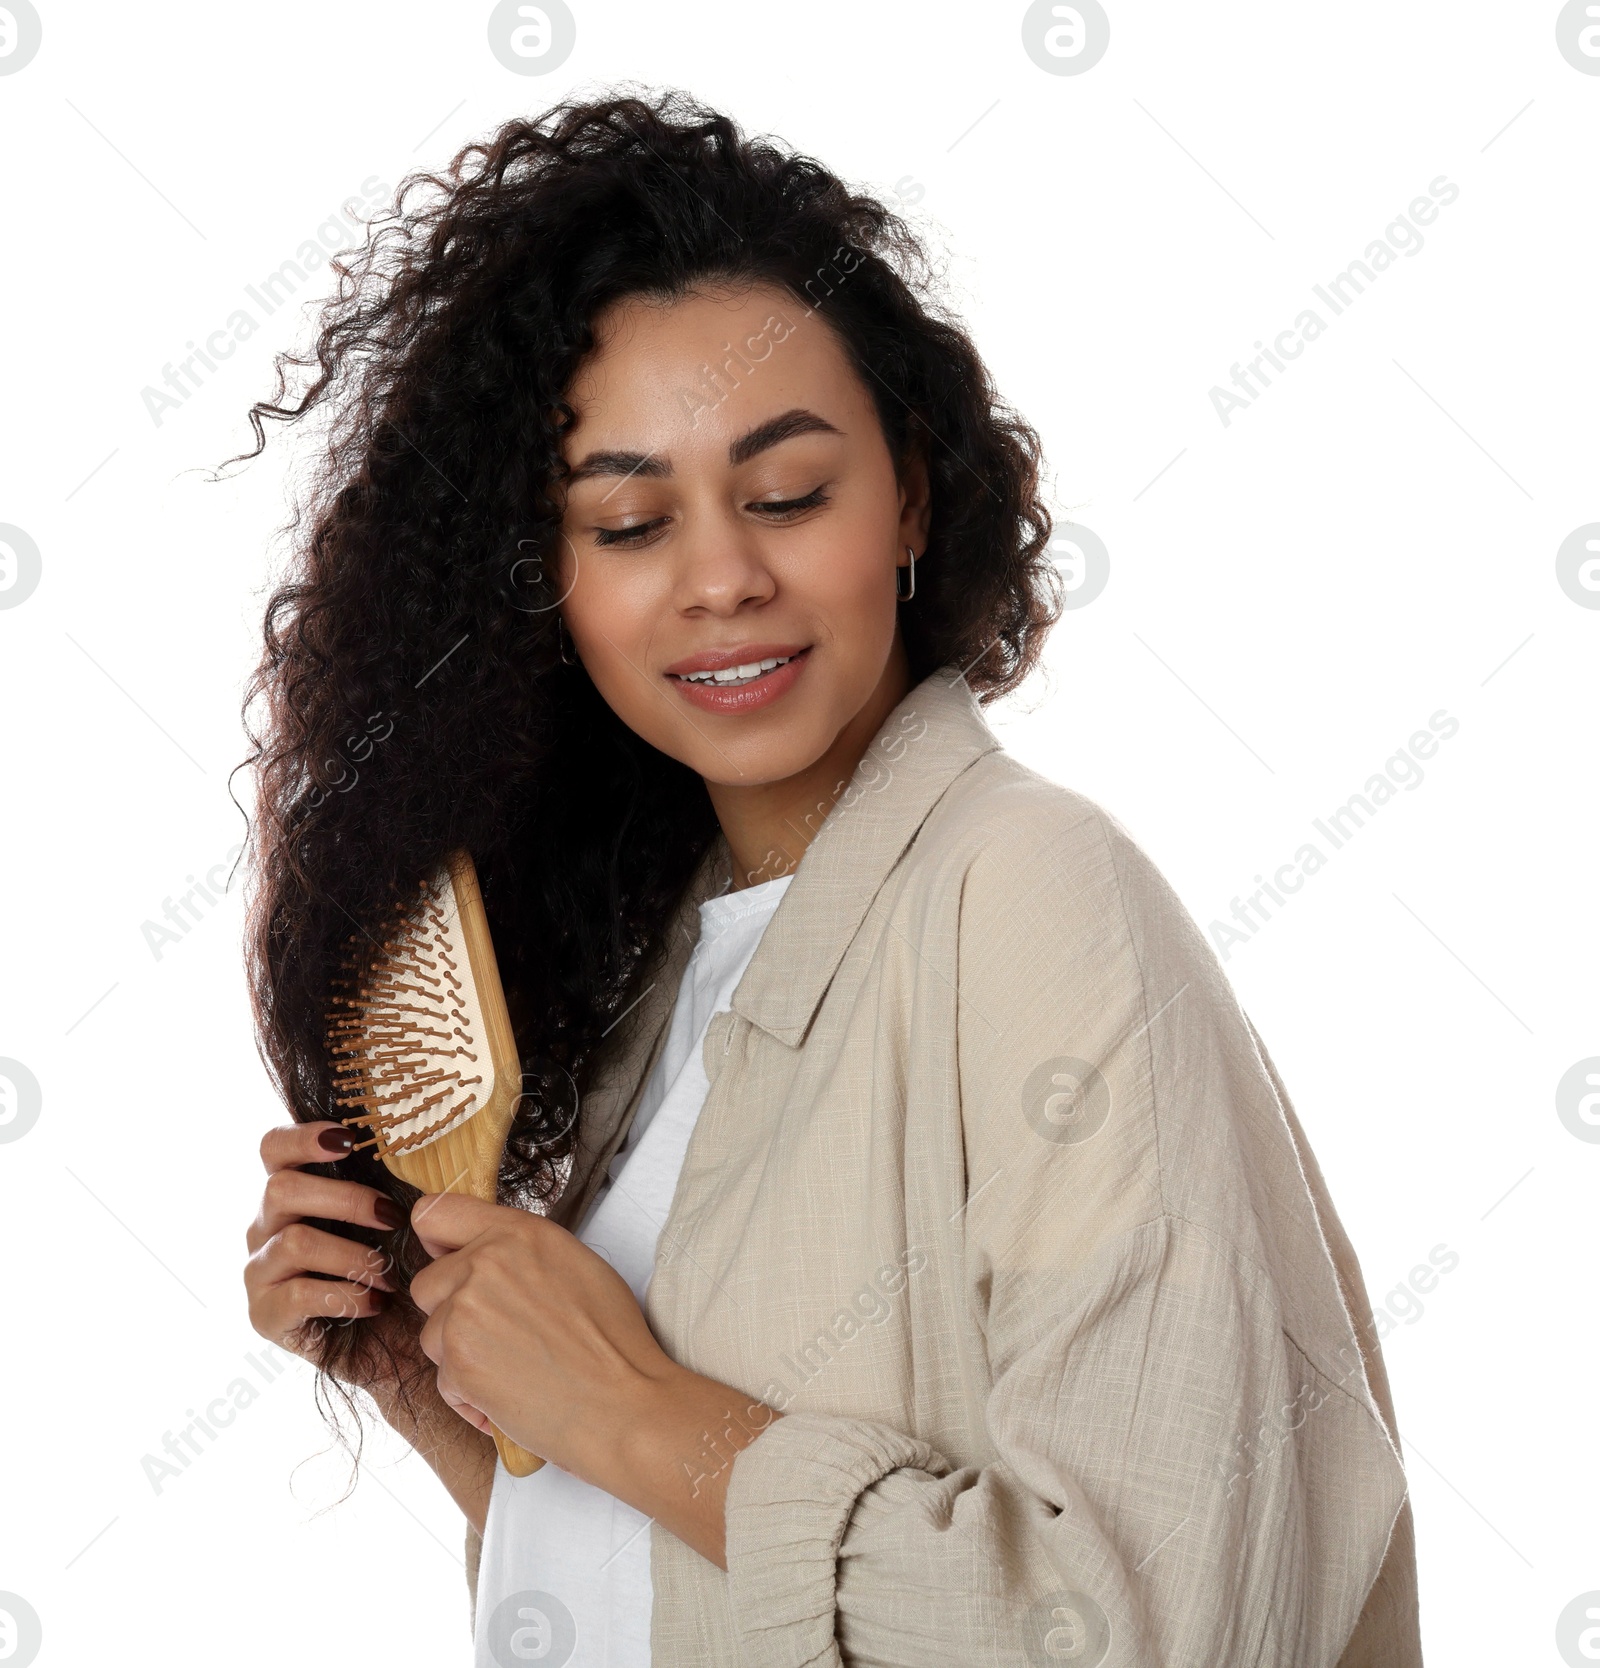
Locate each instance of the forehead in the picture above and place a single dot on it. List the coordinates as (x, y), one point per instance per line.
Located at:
(676, 375)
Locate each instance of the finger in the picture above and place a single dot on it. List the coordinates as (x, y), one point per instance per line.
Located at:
(299, 1248)
(474, 1416)
(431, 1286)
(447, 1221)
(317, 1143)
(478, 1420)
(305, 1298)
(290, 1194)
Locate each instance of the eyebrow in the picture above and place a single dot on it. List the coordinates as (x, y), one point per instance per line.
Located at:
(656, 465)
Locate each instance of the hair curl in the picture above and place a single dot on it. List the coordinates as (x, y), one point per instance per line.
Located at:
(411, 696)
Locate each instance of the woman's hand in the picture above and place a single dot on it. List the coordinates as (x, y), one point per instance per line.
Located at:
(286, 1251)
(531, 1329)
(528, 1326)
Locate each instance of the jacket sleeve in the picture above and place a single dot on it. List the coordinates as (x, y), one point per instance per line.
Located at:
(1181, 1459)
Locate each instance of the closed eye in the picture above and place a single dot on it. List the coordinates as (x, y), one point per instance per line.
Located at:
(788, 506)
(778, 508)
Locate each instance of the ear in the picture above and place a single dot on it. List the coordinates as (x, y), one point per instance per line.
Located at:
(915, 501)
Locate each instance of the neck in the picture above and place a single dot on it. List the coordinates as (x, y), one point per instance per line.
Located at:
(768, 827)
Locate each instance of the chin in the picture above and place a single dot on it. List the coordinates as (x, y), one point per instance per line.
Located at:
(753, 750)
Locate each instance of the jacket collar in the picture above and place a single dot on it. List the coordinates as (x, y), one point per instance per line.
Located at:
(935, 732)
(921, 747)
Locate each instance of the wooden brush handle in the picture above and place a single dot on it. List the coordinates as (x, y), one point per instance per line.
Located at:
(466, 1158)
(516, 1459)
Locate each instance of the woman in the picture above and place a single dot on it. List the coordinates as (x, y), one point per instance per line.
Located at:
(906, 1252)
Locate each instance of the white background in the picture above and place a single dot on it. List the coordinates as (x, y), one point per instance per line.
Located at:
(1290, 597)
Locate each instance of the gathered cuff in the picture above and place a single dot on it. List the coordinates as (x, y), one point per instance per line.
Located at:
(790, 1497)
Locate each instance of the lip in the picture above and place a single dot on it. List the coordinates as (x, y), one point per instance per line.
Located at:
(719, 660)
(759, 692)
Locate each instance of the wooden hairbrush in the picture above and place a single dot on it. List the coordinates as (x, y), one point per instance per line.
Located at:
(422, 1045)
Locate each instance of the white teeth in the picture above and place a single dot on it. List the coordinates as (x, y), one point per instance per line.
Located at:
(737, 674)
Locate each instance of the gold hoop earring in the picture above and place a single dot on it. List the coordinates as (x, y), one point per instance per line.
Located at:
(907, 594)
(561, 643)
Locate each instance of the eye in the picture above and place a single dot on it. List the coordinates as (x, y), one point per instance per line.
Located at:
(625, 537)
(790, 506)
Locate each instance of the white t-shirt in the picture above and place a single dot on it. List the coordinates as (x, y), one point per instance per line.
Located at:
(564, 1577)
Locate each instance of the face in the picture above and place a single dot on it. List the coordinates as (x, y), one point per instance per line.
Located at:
(734, 505)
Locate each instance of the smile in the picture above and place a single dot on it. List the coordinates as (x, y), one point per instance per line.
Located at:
(735, 675)
(744, 687)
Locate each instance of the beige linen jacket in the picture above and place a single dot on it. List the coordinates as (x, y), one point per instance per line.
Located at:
(997, 1197)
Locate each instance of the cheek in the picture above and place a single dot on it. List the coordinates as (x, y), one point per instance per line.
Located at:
(614, 616)
(844, 574)
(611, 609)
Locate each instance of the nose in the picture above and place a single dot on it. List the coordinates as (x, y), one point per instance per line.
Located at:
(721, 568)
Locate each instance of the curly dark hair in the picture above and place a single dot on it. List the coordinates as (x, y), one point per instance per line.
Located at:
(411, 697)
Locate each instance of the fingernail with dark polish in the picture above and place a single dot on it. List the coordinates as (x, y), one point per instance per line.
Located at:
(388, 1213)
(335, 1140)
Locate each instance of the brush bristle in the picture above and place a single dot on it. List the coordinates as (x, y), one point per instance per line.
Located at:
(407, 1036)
